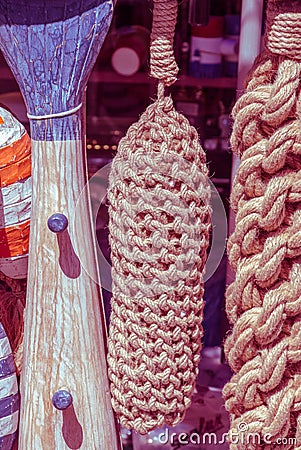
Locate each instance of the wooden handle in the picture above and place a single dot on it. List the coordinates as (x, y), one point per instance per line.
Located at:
(51, 51)
(64, 346)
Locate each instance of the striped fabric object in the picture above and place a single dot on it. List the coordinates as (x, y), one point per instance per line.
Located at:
(9, 394)
(15, 195)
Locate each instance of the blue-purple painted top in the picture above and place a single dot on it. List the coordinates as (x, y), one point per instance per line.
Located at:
(51, 48)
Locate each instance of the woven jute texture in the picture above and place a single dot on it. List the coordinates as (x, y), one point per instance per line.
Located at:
(159, 199)
(12, 304)
(264, 301)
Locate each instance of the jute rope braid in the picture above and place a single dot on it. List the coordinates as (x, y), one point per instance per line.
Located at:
(12, 304)
(264, 301)
(159, 210)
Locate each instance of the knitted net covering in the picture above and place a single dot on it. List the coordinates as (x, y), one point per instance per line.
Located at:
(264, 301)
(159, 199)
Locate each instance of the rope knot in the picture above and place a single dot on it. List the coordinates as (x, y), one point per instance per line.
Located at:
(159, 199)
(283, 34)
(162, 60)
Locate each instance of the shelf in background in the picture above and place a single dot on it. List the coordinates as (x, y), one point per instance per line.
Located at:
(144, 78)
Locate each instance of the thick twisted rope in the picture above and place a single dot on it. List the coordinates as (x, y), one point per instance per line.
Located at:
(12, 304)
(162, 59)
(264, 301)
(159, 232)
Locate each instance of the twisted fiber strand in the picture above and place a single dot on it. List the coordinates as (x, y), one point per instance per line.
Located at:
(162, 60)
(283, 35)
(12, 304)
(264, 301)
(261, 73)
(281, 40)
(159, 232)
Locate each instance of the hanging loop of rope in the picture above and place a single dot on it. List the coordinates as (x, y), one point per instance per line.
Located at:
(162, 59)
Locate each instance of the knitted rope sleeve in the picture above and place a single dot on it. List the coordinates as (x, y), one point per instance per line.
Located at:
(264, 301)
(159, 225)
(162, 59)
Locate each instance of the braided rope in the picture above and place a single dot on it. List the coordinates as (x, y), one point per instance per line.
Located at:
(264, 301)
(159, 232)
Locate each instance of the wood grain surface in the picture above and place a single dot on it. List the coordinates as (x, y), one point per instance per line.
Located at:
(64, 346)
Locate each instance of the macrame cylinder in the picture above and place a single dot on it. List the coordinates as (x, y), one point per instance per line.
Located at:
(159, 232)
(264, 301)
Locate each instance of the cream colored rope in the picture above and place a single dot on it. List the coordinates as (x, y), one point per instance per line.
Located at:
(12, 304)
(264, 301)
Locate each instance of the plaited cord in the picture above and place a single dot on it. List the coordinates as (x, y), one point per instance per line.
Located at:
(264, 301)
(159, 225)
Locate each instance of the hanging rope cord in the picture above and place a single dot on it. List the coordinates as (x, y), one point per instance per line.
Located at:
(162, 60)
(264, 301)
(159, 211)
